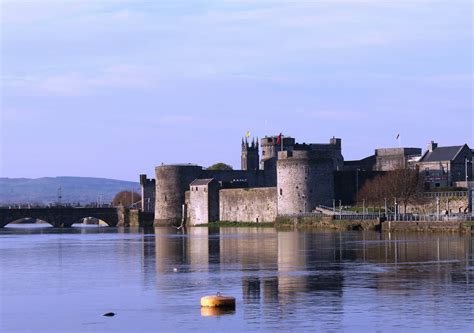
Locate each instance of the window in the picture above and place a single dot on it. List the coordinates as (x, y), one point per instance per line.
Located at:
(437, 184)
(165, 197)
(427, 171)
(281, 191)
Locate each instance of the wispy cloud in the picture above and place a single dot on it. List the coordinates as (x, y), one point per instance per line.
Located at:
(84, 83)
(326, 66)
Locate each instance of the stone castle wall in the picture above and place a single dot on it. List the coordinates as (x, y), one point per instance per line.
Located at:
(148, 188)
(388, 159)
(255, 178)
(198, 208)
(304, 181)
(171, 184)
(248, 205)
(203, 203)
(451, 204)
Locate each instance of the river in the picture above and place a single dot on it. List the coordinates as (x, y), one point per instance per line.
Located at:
(64, 280)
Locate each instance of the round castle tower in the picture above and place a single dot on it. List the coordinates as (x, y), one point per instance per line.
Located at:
(172, 181)
(304, 180)
(270, 149)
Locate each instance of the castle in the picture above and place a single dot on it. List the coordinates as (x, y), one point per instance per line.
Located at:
(289, 178)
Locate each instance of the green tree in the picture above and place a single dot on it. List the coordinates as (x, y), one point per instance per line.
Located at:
(220, 166)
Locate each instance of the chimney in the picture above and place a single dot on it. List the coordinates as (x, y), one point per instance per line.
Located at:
(432, 146)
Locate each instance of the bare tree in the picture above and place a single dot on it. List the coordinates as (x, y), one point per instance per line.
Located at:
(402, 185)
(126, 198)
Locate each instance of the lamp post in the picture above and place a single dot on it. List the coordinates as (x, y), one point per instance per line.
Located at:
(363, 209)
(396, 209)
(437, 208)
(466, 160)
(357, 182)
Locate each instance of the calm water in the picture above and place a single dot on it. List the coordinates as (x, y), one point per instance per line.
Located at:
(64, 280)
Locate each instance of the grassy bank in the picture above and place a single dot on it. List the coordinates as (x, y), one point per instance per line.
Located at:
(323, 223)
(220, 224)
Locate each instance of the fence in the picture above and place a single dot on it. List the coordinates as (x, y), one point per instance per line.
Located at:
(430, 217)
(388, 217)
(446, 194)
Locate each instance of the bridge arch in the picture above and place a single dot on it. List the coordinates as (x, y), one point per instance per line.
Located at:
(92, 220)
(29, 220)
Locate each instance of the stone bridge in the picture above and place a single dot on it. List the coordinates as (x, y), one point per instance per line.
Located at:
(63, 216)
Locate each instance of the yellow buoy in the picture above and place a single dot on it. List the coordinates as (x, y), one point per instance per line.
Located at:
(218, 301)
(216, 312)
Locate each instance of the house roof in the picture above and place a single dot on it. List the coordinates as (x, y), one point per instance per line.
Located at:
(441, 154)
(200, 182)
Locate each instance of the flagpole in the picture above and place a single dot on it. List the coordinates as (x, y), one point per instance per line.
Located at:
(281, 139)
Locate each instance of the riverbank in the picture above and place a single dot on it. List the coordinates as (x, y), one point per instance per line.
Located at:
(329, 224)
(438, 226)
(219, 224)
(325, 223)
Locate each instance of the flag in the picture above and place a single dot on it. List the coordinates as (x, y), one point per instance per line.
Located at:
(247, 134)
(279, 139)
(398, 135)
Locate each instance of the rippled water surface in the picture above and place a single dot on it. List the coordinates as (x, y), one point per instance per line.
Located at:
(54, 280)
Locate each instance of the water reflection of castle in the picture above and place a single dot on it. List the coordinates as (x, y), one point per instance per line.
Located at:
(276, 266)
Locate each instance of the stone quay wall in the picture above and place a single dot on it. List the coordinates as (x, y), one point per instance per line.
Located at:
(326, 223)
(438, 226)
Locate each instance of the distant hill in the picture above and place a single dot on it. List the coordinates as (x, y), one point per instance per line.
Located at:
(73, 189)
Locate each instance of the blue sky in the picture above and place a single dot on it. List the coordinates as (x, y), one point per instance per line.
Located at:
(113, 88)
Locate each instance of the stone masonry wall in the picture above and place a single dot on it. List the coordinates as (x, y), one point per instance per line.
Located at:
(203, 204)
(248, 205)
(304, 181)
(198, 208)
(446, 226)
(148, 187)
(453, 204)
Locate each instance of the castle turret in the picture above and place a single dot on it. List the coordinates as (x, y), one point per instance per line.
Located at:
(270, 148)
(148, 187)
(172, 181)
(304, 181)
(250, 156)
